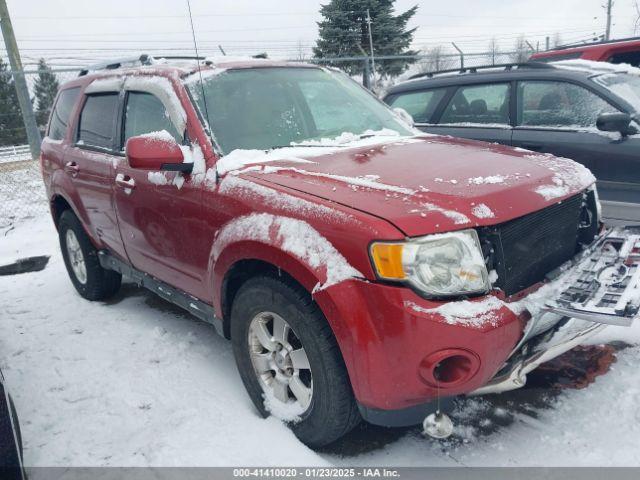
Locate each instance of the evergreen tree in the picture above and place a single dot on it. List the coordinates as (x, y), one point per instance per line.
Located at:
(344, 33)
(45, 87)
(12, 131)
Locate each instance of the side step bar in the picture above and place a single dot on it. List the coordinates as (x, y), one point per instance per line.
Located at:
(196, 307)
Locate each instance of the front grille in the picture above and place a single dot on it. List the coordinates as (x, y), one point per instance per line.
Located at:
(523, 251)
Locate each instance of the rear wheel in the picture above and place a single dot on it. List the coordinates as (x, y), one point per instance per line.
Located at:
(90, 279)
(290, 362)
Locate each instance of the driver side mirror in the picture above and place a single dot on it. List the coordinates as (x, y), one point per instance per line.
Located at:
(616, 122)
(156, 152)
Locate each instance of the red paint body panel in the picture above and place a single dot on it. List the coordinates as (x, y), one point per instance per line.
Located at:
(171, 234)
(440, 170)
(598, 53)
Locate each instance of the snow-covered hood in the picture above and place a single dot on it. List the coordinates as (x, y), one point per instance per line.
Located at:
(428, 184)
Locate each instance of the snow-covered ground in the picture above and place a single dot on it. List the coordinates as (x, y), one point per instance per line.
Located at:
(136, 381)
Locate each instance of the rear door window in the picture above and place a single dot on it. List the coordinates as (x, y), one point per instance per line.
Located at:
(486, 105)
(61, 113)
(97, 121)
(145, 113)
(558, 104)
(420, 105)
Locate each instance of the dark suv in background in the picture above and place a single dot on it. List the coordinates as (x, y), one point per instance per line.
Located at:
(586, 111)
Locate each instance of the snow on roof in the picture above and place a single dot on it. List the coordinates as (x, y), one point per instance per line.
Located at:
(596, 68)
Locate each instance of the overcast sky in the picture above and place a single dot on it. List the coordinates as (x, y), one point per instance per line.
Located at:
(77, 31)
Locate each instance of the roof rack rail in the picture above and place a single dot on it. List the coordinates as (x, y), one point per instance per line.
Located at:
(144, 59)
(589, 44)
(505, 66)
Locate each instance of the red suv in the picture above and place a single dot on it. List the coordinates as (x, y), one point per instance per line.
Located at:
(361, 268)
(615, 51)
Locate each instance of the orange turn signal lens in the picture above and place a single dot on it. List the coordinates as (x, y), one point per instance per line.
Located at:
(387, 258)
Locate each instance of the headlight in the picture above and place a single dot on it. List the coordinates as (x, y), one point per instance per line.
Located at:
(439, 265)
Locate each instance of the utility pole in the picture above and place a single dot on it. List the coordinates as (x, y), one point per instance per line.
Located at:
(607, 34)
(33, 134)
(373, 60)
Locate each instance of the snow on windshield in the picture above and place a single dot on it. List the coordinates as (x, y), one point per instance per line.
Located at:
(268, 107)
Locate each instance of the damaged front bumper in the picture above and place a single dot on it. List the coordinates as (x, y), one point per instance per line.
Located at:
(601, 287)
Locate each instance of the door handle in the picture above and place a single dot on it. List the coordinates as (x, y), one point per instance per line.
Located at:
(71, 168)
(126, 182)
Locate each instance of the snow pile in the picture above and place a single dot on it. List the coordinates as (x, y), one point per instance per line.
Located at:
(289, 412)
(238, 187)
(589, 66)
(293, 236)
(492, 179)
(457, 217)
(482, 211)
(238, 159)
(473, 314)
(204, 73)
(568, 176)
(193, 154)
(347, 137)
(157, 178)
(299, 152)
(159, 136)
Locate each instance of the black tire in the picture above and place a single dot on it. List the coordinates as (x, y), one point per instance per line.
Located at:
(100, 283)
(333, 411)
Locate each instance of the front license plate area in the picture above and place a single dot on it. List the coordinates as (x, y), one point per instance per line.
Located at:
(604, 284)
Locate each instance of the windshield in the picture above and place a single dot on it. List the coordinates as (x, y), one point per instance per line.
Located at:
(265, 108)
(623, 85)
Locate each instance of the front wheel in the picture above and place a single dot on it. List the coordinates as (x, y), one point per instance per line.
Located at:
(290, 362)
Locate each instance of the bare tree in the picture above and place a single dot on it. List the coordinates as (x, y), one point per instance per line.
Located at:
(436, 60)
(521, 50)
(301, 53)
(636, 25)
(494, 50)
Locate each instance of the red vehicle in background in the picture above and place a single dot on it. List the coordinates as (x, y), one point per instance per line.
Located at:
(616, 51)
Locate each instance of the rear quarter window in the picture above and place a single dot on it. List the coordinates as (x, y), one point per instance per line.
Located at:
(97, 120)
(59, 122)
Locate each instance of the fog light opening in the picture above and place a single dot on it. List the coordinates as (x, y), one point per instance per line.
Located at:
(452, 369)
(449, 368)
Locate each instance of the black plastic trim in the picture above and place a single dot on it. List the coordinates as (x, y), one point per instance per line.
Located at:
(196, 307)
(405, 417)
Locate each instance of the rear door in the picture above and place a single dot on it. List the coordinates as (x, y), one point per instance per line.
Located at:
(479, 112)
(559, 117)
(90, 161)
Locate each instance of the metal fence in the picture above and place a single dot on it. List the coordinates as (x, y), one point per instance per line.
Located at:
(21, 190)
